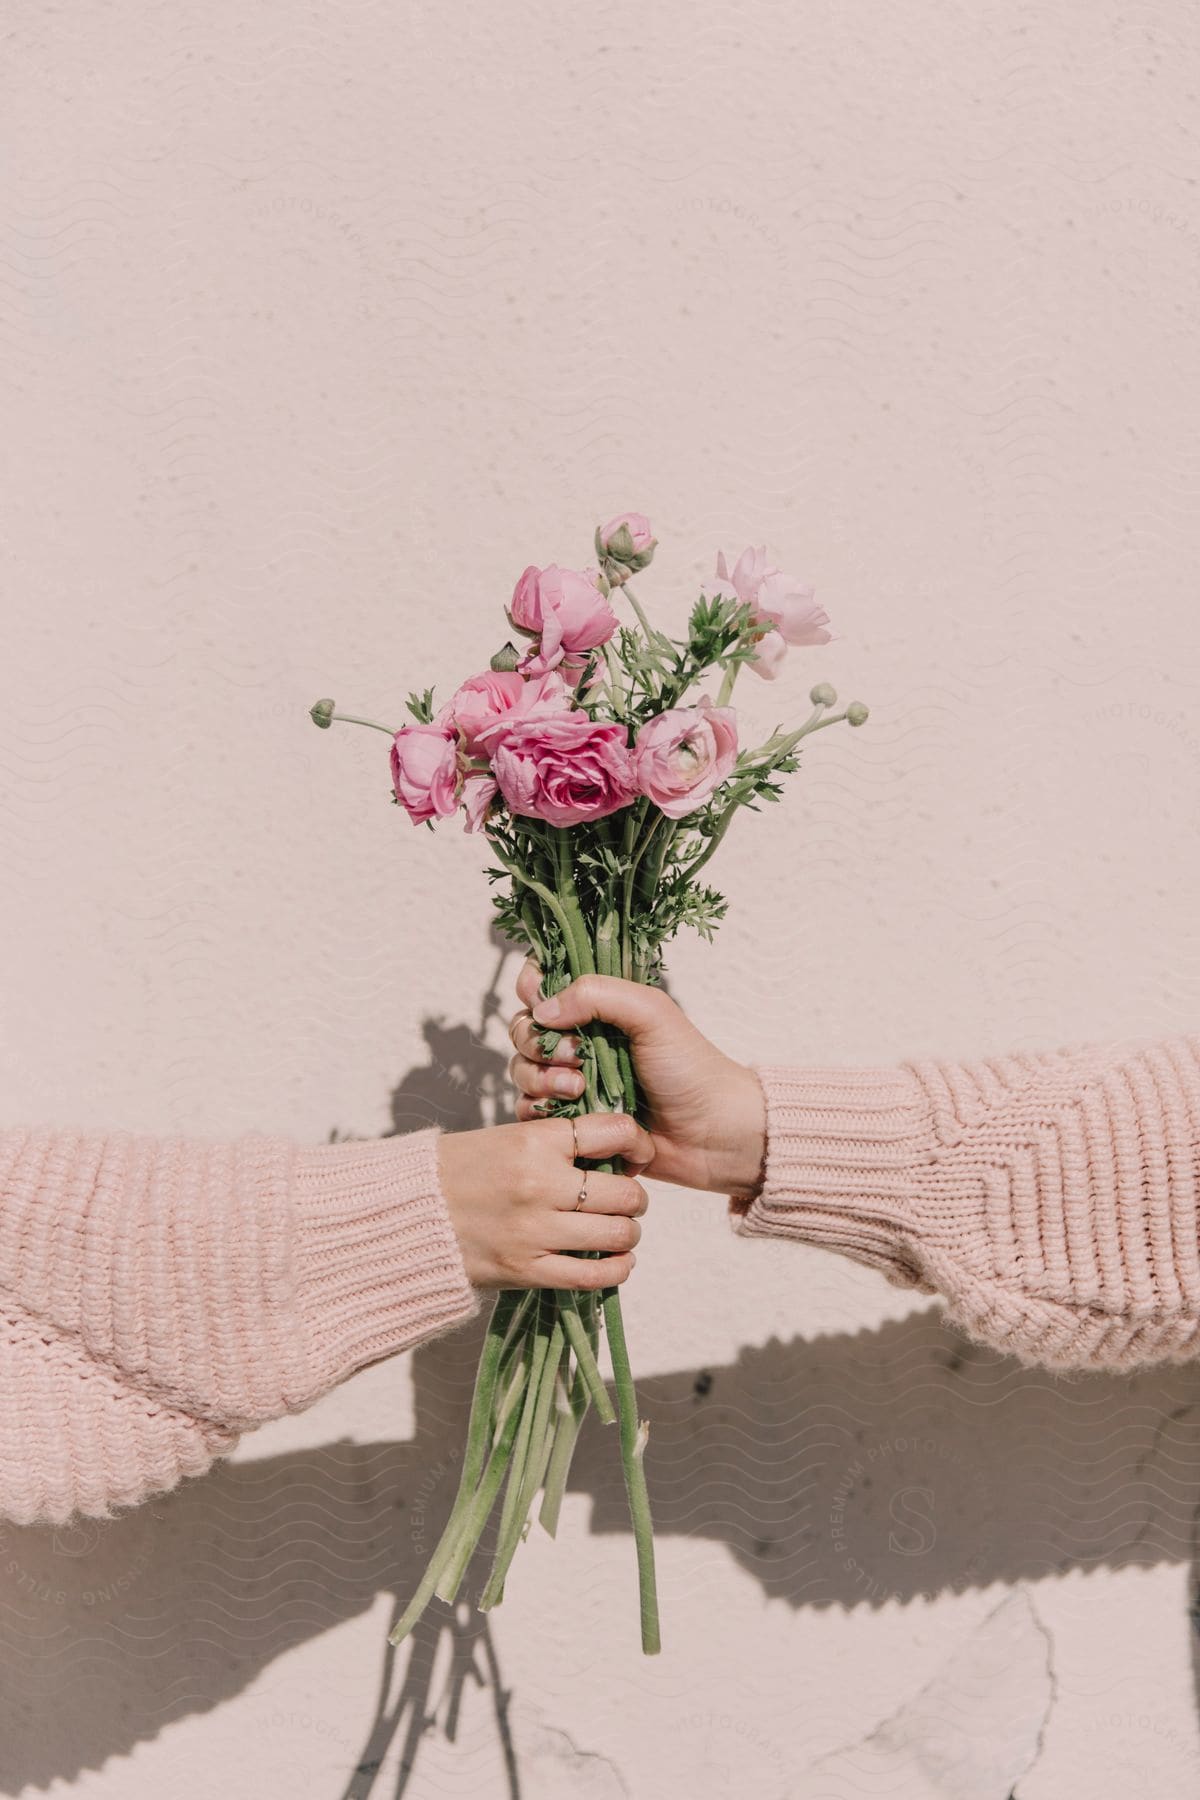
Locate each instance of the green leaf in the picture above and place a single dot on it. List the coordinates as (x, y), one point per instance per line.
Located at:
(421, 707)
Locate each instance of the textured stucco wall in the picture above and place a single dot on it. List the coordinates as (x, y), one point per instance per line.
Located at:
(316, 325)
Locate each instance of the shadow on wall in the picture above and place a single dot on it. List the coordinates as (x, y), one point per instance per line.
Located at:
(839, 1472)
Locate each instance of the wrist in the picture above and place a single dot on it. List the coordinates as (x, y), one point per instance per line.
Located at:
(737, 1165)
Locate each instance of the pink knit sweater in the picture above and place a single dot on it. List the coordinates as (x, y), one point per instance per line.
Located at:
(1051, 1199)
(159, 1297)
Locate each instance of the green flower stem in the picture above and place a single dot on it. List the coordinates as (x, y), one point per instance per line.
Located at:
(633, 823)
(543, 1422)
(723, 825)
(510, 1306)
(655, 640)
(635, 850)
(579, 946)
(349, 719)
(549, 900)
(507, 1313)
(616, 687)
(633, 1444)
(650, 872)
(566, 1435)
(457, 1548)
(632, 1447)
(525, 1479)
(762, 761)
(580, 1341)
(508, 1418)
(608, 943)
(511, 1517)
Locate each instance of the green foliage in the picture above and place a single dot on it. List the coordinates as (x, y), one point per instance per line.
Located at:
(421, 707)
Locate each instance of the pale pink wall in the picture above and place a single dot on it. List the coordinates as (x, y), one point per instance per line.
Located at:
(316, 324)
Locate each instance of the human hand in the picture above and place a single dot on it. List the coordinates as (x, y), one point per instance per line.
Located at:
(511, 1193)
(706, 1113)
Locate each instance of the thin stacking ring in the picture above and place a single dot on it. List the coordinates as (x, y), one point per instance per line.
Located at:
(582, 1191)
(574, 1140)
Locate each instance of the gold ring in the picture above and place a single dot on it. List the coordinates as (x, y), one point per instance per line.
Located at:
(574, 1140)
(583, 1190)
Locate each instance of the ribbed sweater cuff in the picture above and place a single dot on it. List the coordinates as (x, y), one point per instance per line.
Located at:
(844, 1148)
(378, 1265)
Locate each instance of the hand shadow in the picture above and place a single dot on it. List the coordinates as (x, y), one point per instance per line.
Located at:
(842, 1470)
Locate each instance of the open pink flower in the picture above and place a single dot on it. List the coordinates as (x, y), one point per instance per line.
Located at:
(770, 654)
(777, 600)
(425, 771)
(681, 756)
(564, 769)
(485, 704)
(564, 610)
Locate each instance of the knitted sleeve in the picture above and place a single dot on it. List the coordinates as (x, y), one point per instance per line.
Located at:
(1049, 1199)
(158, 1297)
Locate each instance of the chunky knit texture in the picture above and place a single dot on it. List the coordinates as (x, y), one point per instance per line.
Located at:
(1050, 1199)
(160, 1296)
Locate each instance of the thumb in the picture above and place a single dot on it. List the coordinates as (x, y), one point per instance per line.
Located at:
(633, 1008)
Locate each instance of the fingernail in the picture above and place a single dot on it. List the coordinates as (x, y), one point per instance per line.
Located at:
(567, 1084)
(546, 1012)
(566, 1050)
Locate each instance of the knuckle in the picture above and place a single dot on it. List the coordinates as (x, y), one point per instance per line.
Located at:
(511, 1263)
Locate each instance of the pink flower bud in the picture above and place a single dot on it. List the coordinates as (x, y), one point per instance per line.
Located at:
(625, 545)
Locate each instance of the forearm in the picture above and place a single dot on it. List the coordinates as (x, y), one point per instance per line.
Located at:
(163, 1295)
(1050, 1199)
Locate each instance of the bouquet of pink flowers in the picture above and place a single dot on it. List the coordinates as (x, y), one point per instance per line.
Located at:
(604, 783)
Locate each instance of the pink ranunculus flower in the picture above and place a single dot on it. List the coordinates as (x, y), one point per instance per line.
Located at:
(479, 790)
(777, 600)
(425, 771)
(564, 610)
(485, 704)
(565, 769)
(683, 755)
(770, 654)
(790, 605)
